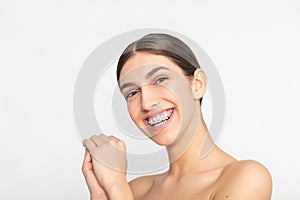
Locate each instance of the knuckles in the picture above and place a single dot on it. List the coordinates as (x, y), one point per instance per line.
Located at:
(103, 140)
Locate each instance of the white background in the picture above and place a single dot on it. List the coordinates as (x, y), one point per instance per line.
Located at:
(255, 46)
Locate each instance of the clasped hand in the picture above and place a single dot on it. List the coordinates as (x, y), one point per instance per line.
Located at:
(104, 166)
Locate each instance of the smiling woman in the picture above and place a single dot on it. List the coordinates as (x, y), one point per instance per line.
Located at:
(163, 85)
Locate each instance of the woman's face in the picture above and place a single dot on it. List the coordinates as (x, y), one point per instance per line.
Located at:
(159, 96)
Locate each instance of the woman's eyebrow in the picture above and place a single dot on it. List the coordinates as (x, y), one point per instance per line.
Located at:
(153, 71)
(125, 85)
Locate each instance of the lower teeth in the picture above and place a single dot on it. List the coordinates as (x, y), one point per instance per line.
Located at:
(159, 124)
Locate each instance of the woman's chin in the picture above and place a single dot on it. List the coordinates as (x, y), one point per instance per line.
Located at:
(163, 139)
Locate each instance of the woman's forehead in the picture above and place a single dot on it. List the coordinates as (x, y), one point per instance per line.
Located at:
(143, 59)
(145, 73)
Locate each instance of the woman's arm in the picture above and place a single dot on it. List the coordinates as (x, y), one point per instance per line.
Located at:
(120, 191)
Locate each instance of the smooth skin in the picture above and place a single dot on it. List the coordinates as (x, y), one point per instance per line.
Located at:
(217, 176)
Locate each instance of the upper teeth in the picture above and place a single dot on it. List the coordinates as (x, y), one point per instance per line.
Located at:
(159, 118)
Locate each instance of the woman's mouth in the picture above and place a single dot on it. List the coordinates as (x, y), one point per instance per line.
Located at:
(159, 119)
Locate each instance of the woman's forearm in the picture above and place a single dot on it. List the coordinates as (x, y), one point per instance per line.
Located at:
(120, 192)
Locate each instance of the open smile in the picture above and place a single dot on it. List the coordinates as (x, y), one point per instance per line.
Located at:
(156, 122)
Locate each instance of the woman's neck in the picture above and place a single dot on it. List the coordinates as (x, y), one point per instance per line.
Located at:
(195, 154)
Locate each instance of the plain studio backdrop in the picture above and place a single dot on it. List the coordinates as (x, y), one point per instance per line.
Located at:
(255, 46)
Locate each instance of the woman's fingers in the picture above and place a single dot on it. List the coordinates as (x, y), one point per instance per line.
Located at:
(100, 140)
(106, 158)
(87, 161)
(107, 150)
(94, 187)
(89, 144)
(118, 142)
(87, 166)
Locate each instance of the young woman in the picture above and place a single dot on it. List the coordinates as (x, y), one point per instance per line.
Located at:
(163, 85)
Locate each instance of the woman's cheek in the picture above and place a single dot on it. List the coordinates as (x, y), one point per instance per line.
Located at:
(133, 111)
(168, 92)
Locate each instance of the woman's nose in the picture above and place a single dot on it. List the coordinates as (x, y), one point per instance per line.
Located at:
(149, 98)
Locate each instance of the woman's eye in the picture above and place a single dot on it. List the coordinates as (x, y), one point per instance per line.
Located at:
(161, 79)
(130, 94)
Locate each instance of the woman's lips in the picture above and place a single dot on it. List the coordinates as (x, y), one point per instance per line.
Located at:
(168, 112)
(156, 128)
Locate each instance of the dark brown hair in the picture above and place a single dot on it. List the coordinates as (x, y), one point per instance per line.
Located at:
(162, 44)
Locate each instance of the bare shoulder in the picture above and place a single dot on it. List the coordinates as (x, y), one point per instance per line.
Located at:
(247, 179)
(141, 185)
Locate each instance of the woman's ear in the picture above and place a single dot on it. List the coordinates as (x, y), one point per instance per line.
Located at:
(199, 84)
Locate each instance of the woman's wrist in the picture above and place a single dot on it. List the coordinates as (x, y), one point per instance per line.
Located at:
(98, 197)
(120, 191)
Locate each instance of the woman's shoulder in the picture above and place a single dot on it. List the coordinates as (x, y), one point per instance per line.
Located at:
(250, 170)
(246, 179)
(141, 185)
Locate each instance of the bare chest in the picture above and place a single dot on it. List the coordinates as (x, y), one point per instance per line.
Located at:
(178, 193)
(192, 188)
